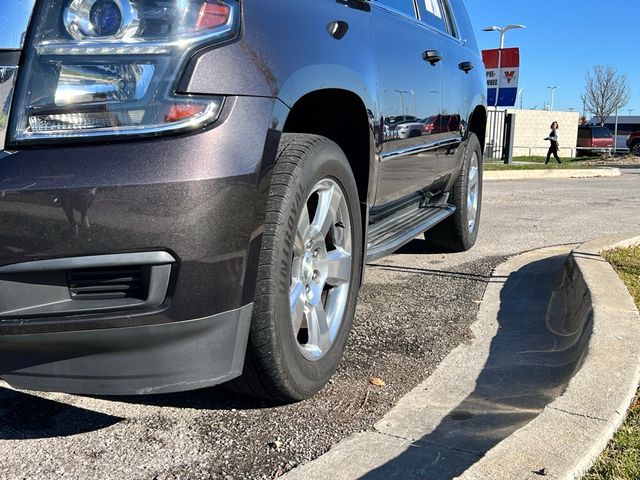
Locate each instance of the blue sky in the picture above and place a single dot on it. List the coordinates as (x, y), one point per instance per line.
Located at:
(562, 41)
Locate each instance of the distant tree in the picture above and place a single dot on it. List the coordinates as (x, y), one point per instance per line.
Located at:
(606, 91)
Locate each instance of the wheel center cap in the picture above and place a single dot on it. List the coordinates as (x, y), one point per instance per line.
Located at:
(307, 267)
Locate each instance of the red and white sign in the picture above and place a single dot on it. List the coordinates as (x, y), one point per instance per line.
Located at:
(503, 75)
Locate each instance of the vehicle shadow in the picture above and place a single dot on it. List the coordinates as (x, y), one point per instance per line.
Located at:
(538, 347)
(433, 272)
(27, 416)
(419, 247)
(212, 398)
(24, 416)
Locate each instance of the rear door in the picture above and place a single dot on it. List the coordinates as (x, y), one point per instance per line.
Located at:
(460, 68)
(410, 84)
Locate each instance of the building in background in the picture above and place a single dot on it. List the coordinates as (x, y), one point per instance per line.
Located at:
(531, 127)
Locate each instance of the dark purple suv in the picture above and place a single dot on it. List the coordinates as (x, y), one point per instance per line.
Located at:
(189, 190)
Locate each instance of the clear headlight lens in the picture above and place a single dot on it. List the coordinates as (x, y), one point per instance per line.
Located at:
(109, 67)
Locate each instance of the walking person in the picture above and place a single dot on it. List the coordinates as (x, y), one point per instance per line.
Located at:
(553, 148)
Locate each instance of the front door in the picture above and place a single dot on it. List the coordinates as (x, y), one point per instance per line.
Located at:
(460, 68)
(410, 87)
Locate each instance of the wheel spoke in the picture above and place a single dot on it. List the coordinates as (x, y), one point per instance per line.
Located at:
(318, 326)
(302, 232)
(473, 177)
(296, 301)
(326, 212)
(339, 271)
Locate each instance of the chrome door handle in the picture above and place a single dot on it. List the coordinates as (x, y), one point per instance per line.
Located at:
(466, 67)
(432, 56)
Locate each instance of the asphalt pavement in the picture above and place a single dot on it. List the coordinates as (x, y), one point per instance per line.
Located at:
(415, 307)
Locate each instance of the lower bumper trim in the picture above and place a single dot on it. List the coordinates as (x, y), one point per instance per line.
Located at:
(130, 361)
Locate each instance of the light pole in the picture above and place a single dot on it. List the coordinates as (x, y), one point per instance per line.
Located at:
(553, 94)
(401, 92)
(615, 135)
(502, 31)
(520, 96)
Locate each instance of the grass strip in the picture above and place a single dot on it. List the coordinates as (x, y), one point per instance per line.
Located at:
(621, 459)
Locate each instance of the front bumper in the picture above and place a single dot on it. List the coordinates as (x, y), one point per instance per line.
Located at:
(129, 361)
(200, 197)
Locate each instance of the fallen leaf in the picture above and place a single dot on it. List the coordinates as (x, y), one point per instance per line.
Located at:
(378, 382)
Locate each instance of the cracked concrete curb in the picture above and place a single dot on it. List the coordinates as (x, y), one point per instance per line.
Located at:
(538, 174)
(567, 437)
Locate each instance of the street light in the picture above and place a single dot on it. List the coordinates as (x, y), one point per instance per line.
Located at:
(401, 92)
(502, 31)
(553, 94)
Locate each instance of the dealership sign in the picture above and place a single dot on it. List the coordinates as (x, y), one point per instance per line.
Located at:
(503, 74)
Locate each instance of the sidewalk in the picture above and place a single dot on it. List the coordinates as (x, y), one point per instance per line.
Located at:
(521, 359)
(553, 366)
(552, 173)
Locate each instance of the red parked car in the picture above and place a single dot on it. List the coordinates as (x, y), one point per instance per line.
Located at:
(594, 140)
(633, 143)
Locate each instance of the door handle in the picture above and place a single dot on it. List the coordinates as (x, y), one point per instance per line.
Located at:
(466, 67)
(432, 56)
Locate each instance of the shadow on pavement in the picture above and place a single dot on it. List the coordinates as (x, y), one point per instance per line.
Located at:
(433, 273)
(419, 246)
(532, 358)
(212, 398)
(24, 416)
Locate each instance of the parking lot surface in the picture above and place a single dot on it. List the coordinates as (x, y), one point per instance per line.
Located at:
(414, 308)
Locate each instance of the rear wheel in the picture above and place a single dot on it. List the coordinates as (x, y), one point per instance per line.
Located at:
(309, 272)
(635, 149)
(459, 232)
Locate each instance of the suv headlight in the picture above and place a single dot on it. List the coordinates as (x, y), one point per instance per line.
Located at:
(99, 68)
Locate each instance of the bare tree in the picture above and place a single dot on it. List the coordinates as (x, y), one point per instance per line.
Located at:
(606, 91)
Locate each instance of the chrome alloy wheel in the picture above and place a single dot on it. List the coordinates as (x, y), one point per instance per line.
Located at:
(321, 269)
(473, 189)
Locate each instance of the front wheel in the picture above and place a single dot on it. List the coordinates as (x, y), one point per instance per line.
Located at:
(459, 232)
(309, 272)
(635, 149)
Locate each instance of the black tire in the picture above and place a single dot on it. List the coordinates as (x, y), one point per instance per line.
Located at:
(275, 368)
(453, 234)
(635, 149)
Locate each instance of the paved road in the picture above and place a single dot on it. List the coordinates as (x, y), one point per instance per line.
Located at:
(414, 309)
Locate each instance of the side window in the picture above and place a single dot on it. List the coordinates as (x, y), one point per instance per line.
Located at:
(434, 15)
(405, 6)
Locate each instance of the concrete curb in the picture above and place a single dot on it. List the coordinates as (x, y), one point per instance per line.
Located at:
(555, 173)
(566, 438)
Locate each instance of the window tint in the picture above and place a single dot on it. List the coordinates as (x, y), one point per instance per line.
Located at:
(584, 133)
(601, 132)
(623, 129)
(434, 14)
(465, 30)
(627, 128)
(404, 6)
